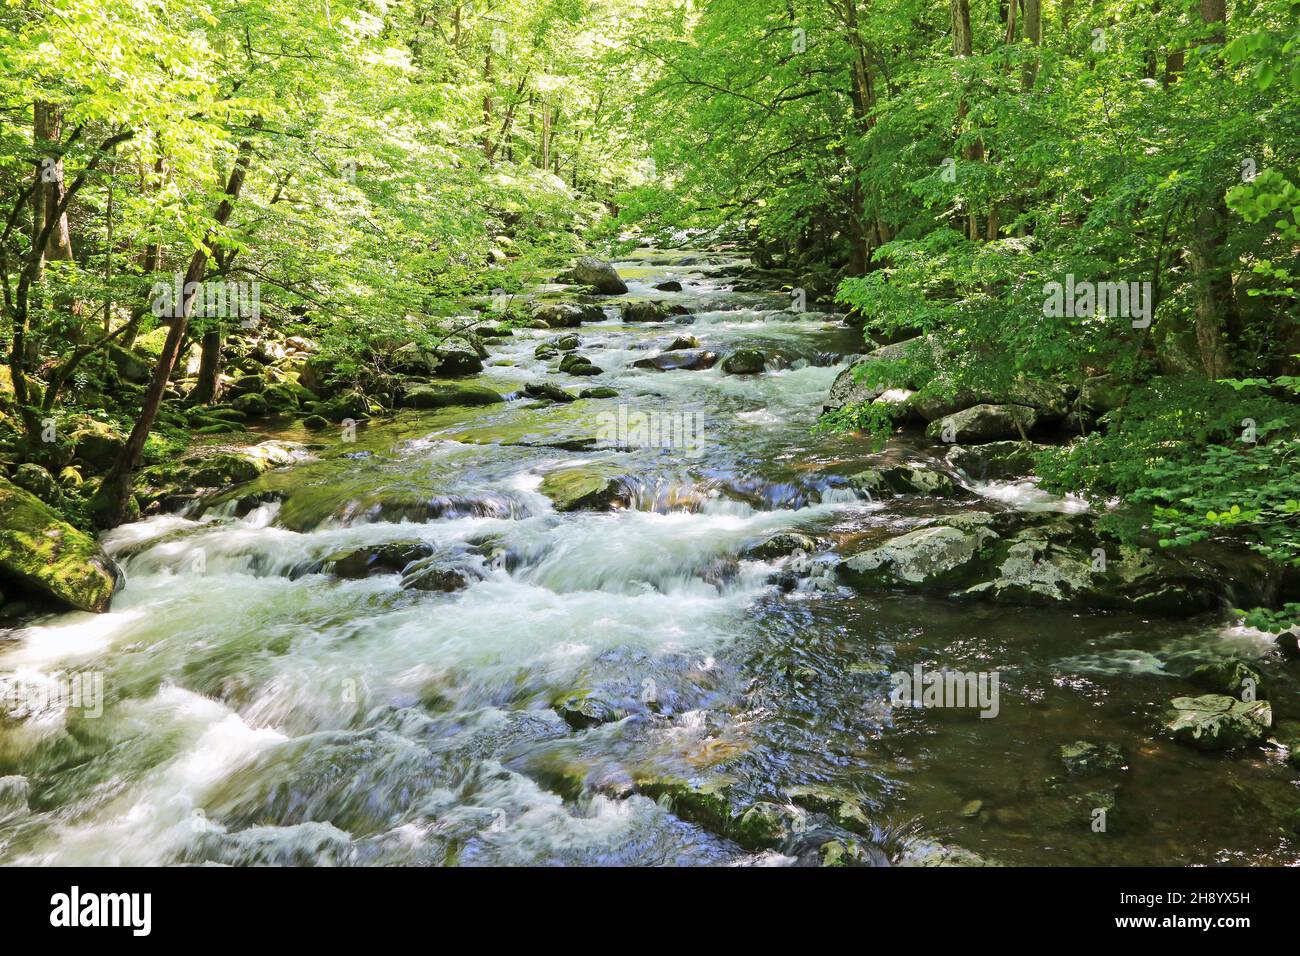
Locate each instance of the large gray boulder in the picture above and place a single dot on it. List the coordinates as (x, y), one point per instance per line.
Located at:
(854, 385)
(1016, 558)
(984, 423)
(598, 274)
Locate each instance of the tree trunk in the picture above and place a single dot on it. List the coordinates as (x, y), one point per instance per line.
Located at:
(961, 47)
(1211, 270)
(47, 128)
(208, 387)
(1034, 34)
(110, 506)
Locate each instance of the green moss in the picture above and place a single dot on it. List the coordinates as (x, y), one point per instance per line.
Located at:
(43, 553)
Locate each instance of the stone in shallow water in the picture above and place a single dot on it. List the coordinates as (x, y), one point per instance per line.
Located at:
(584, 488)
(1218, 722)
(744, 362)
(689, 360)
(581, 711)
(1233, 678)
(1085, 756)
(779, 545)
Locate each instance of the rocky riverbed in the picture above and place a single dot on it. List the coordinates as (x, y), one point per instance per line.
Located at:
(611, 600)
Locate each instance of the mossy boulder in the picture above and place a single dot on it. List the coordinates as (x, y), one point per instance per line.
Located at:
(995, 460)
(1217, 722)
(43, 554)
(744, 362)
(99, 444)
(35, 479)
(445, 395)
(583, 488)
(1233, 678)
(933, 556)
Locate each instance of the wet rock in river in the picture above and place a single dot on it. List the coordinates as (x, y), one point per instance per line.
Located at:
(1233, 678)
(1084, 756)
(905, 479)
(575, 364)
(549, 391)
(672, 285)
(377, 559)
(690, 360)
(779, 546)
(645, 312)
(927, 556)
(682, 342)
(444, 395)
(581, 711)
(767, 825)
(744, 362)
(1217, 722)
(583, 488)
(603, 391)
(42, 554)
(600, 275)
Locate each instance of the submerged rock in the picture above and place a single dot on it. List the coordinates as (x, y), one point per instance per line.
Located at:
(1217, 722)
(42, 554)
(1084, 756)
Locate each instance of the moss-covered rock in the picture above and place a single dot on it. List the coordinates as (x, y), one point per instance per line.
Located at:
(1233, 678)
(1218, 722)
(43, 554)
(744, 362)
(446, 394)
(584, 488)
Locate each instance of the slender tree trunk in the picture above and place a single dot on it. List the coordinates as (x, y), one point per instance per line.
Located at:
(961, 47)
(208, 387)
(1211, 271)
(1034, 34)
(111, 505)
(47, 128)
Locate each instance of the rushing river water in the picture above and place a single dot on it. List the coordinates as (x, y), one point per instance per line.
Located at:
(258, 710)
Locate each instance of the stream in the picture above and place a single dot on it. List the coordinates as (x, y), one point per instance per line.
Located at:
(259, 710)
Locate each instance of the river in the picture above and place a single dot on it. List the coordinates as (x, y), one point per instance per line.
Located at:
(257, 709)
